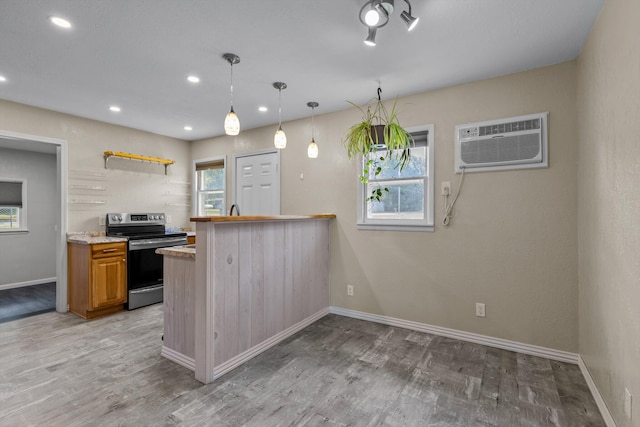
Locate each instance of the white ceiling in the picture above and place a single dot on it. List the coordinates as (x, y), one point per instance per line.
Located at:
(138, 53)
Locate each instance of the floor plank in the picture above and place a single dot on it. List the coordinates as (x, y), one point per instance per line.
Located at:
(26, 301)
(59, 370)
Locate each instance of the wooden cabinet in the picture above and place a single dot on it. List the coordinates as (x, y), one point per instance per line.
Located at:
(97, 278)
(191, 240)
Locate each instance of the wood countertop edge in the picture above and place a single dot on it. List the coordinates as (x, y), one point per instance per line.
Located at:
(264, 218)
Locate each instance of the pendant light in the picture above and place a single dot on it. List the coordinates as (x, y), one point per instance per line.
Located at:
(280, 139)
(312, 149)
(231, 122)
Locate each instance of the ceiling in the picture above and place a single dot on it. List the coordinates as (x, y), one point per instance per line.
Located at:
(137, 54)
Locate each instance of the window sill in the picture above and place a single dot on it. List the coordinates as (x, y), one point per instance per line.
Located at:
(14, 231)
(427, 228)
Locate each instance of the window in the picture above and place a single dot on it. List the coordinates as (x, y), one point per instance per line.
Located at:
(12, 209)
(407, 195)
(210, 194)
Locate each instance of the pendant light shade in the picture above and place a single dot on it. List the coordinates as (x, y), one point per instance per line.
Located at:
(312, 149)
(231, 122)
(280, 139)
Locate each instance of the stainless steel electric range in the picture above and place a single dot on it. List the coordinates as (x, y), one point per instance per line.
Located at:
(146, 232)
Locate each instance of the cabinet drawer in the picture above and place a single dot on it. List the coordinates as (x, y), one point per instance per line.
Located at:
(108, 249)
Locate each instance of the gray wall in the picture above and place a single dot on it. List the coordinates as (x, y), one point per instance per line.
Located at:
(609, 206)
(31, 256)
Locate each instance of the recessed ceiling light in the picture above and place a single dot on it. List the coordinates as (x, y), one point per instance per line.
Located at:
(114, 108)
(3, 79)
(194, 79)
(263, 109)
(188, 128)
(60, 22)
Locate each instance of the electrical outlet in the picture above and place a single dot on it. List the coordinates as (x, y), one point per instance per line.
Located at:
(169, 218)
(627, 403)
(350, 290)
(480, 309)
(446, 188)
(102, 220)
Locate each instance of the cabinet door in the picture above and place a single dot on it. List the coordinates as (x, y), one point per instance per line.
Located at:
(108, 281)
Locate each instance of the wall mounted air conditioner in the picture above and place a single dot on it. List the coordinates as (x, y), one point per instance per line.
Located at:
(511, 143)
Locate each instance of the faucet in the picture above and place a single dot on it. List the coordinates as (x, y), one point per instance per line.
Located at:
(237, 210)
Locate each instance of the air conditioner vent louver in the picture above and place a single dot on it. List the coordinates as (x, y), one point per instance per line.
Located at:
(510, 127)
(512, 143)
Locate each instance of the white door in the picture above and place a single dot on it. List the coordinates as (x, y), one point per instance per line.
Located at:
(257, 184)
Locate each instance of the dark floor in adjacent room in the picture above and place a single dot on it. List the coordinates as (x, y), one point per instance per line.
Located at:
(27, 301)
(59, 370)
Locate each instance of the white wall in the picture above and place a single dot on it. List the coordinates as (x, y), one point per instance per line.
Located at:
(512, 243)
(609, 205)
(31, 256)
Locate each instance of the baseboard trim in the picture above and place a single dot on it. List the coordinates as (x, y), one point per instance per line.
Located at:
(534, 350)
(27, 283)
(602, 406)
(238, 360)
(178, 358)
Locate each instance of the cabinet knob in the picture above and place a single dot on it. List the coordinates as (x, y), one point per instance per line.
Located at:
(124, 260)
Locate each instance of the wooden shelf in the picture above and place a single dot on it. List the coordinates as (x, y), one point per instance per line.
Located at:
(129, 156)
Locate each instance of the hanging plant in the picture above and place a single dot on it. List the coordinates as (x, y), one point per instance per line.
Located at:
(379, 129)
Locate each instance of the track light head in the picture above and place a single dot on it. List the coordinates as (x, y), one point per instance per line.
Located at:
(411, 21)
(371, 37)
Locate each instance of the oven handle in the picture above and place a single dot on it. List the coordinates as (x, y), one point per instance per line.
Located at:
(145, 290)
(137, 245)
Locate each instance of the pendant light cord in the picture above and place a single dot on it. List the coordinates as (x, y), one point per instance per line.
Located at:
(313, 130)
(231, 86)
(279, 107)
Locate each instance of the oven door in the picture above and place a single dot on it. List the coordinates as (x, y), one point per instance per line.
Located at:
(144, 270)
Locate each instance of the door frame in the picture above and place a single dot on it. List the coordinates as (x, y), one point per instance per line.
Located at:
(234, 193)
(62, 166)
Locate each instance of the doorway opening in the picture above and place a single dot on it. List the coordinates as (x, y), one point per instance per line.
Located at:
(57, 210)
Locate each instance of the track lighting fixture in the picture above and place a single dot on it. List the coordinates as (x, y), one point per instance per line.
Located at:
(312, 149)
(375, 14)
(280, 139)
(231, 122)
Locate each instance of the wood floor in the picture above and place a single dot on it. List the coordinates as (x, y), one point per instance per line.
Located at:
(59, 370)
(27, 301)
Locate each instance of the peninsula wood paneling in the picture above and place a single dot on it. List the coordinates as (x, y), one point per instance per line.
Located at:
(265, 277)
(179, 303)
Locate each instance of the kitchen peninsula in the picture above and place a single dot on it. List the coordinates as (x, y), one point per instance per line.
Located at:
(257, 281)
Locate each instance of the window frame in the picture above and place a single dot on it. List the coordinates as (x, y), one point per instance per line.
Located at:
(425, 224)
(22, 210)
(196, 189)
